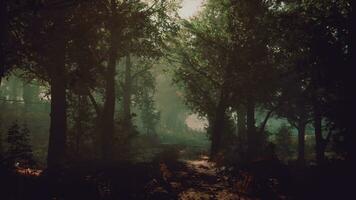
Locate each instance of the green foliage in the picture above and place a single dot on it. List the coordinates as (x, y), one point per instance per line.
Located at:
(189, 138)
(277, 55)
(81, 125)
(287, 58)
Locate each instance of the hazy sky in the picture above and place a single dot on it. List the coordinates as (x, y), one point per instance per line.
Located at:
(190, 8)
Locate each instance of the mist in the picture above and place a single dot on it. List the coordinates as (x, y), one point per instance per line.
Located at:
(175, 99)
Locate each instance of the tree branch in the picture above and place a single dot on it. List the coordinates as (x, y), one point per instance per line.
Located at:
(192, 65)
(141, 71)
(263, 124)
(95, 104)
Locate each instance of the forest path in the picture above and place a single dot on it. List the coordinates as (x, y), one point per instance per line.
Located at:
(197, 179)
(202, 181)
(169, 176)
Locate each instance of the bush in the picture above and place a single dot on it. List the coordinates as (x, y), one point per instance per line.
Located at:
(19, 148)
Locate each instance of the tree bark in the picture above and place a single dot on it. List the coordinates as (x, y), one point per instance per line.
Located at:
(107, 117)
(127, 95)
(108, 110)
(301, 144)
(3, 36)
(218, 127)
(241, 123)
(1, 136)
(319, 141)
(264, 122)
(252, 137)
(58, 122)
(79, 123)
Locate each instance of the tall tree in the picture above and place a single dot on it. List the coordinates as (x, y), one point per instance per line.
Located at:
(45, 58)
(107, 116)
(3, 36)
(227, 61)
(57, 76)
(127, 93)
(312, 53)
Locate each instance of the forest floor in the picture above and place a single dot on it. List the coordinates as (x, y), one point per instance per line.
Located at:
(167, 176)
(172, 174)
(197, 179)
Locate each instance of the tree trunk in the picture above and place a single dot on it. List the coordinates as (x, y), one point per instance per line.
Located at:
(107, 117)
(252, 137)
(317, 114)
(26, 96)
(218, 127)
(57, 75)
(1, 136)
(127, 95)
(79, 123)
(241, 123)
(301, 144)
(58, 122)
(3, 36)
(319, 141)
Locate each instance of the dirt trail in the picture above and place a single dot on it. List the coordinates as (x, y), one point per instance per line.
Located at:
(197, 180)
(166, 177)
